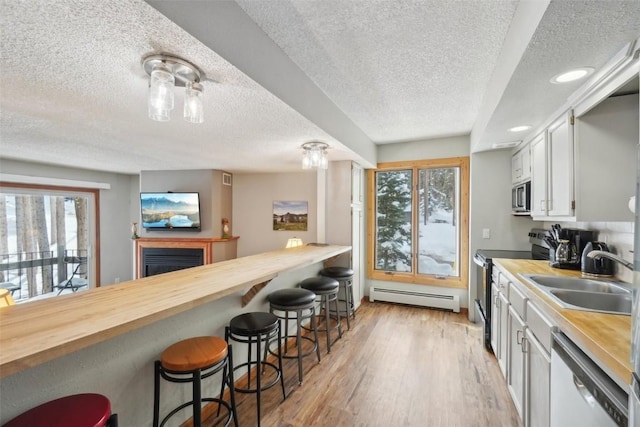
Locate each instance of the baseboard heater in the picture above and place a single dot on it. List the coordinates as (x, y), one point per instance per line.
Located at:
(424, 299)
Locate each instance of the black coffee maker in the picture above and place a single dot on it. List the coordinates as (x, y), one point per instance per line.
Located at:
(573, 240)
(592, 267)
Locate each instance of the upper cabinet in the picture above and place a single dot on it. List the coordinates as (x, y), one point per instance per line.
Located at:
(521, 165)
(583, 163)
(552, 170)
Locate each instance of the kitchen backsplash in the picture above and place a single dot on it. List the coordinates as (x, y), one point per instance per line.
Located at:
(617, 235)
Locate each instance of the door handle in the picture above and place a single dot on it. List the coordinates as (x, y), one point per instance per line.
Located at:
(584, 392)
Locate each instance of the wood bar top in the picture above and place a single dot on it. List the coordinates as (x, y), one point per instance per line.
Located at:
(38, 331)
(606, 337)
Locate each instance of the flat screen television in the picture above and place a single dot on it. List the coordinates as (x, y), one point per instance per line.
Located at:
(170, 211)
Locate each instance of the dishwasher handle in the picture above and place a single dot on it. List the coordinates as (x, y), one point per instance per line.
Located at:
(584, 392)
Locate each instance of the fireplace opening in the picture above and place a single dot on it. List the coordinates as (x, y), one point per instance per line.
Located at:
(163, 260)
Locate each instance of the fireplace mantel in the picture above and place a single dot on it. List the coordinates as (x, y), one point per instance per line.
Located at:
(205, 244)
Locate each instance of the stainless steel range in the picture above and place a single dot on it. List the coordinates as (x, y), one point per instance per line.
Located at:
(484, 259)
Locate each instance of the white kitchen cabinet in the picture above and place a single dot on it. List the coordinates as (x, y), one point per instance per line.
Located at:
(499, 323)
(552, 170)
(538, 378)
(587, 171)
(539, 176)
(503, 340)
(521, 165)
(495, 319)
(516, 376)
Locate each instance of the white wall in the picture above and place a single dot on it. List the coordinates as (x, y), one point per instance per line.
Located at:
(253, 197)
(617, 235)
(117, 212)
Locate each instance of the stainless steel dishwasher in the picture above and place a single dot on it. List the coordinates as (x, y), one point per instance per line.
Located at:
(581, 393)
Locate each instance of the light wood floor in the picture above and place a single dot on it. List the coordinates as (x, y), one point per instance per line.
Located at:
(397, 366)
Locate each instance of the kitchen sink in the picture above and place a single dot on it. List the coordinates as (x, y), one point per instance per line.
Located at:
(579, 284)
(603, 296)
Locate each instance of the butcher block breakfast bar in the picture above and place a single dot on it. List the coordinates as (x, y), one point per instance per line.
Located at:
(105, 339)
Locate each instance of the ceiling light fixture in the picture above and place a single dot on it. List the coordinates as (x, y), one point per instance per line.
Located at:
(505, 144)
(315, 155)
(571, 75)
(520, 128)
(166, 72)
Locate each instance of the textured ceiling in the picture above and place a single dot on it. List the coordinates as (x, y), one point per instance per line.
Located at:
(572, 34)
(401, 70)
(72, 90)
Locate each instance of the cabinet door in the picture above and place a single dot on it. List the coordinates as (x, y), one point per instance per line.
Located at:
(560, 146)
(539, 176)
(503, 358)
(525, 162)
(495, 319)
(516, 167)
(538, 368)
(515, 378)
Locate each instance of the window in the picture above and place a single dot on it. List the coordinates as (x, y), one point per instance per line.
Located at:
(47, 240)
(419, 222)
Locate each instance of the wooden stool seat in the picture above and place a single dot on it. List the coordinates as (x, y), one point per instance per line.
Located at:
(78, 410)
(191, 361)
(194, 353)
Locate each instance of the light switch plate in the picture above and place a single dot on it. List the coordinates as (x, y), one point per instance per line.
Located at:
(486, 233)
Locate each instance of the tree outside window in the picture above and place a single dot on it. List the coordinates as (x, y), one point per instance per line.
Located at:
(419, 231)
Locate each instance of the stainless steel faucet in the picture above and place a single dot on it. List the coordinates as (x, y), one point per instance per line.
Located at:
(614, 257)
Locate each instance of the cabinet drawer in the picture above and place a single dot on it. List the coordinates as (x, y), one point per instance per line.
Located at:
(517, 300)
(539, 325)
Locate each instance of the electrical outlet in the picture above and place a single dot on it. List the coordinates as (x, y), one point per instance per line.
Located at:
(116, 280)
(486, 233)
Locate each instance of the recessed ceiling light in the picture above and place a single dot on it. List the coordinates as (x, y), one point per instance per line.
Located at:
(520, 128)
(571, 75)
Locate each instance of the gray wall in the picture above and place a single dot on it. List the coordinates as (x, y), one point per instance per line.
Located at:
(117, 212)
(215, 199)
(490, 207)
(253, 197)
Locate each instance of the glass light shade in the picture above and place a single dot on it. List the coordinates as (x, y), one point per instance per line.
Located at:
(314, 155)
(293, 243)
(161, 98)
(324, 162)
(193, 111)
(306, 160)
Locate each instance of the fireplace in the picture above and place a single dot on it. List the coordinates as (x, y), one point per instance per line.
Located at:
(156, 256)
(163, 260)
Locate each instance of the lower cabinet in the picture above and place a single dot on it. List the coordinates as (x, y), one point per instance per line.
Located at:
(523, 346)
(537, 382)
(516, 377)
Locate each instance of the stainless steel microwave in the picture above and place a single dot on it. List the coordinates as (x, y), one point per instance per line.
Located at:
(521, 198)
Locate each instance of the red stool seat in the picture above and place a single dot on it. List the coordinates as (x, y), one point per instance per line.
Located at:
(78, 410)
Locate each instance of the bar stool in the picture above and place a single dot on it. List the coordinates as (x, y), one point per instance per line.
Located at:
(301, 302)
(326, 289)
(256, 329)
(344, 276)
(190, 361)
(78, 410)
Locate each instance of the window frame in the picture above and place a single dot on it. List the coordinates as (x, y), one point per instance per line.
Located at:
(462, 281)
(94, 230)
